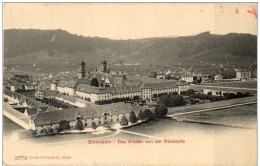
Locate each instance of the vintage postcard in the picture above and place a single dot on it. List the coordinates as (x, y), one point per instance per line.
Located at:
(130, 84)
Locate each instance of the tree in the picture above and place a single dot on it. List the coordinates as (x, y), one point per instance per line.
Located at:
(132, 118)
(94, 125)
(124, 121)
(5, 100)
(44, 132)
(79, 125)
(190, 92)
(141, 115)
(171, 101)
(34, 132)
(94, 82)
(50, 130)
(148, 114)
(239, 94)
(160, 111)
(107, 124)
(64, 125)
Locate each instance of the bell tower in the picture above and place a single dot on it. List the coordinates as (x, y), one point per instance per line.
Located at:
(82, 70)
(104, 66)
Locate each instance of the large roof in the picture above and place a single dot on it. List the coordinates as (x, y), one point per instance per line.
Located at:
(124, 89)
(89, 112)
(69, 84)
(33, 111)
(159, 85)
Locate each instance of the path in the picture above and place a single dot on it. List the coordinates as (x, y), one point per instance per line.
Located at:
(212, 109)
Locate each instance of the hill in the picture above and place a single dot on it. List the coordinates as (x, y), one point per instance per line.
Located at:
(58, 47)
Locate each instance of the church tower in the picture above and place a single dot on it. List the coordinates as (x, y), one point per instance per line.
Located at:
(82, 70)
(104, 67)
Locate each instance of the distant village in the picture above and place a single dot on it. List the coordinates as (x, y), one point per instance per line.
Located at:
(51, 103)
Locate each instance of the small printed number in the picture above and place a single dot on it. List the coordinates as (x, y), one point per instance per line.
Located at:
(20, 157)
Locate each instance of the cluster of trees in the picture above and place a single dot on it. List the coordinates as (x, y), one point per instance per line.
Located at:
(225, 96)
(103, 102)
(48, 131)
(57, 103)
(116, 100)
(171, 100)
(79, 125)
(163, 94)
(159, 112)
(188, 92)
(237, 95)
(207, 97)
(64, 125)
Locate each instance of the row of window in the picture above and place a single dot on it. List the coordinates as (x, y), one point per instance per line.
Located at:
(99, 122)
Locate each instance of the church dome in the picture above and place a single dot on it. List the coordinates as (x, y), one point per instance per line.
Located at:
(105, 62)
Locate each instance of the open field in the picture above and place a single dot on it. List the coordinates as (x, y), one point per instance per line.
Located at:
(238, 84)
(196, 107)
(243, 116)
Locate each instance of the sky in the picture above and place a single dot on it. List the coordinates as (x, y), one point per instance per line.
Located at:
(133, 20)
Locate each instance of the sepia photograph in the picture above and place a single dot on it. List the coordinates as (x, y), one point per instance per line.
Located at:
(145, 84)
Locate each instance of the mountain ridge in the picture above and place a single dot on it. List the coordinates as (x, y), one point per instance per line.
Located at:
(60, 45)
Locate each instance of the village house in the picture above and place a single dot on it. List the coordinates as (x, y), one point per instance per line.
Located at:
(242, 74)
(188, 78)
(67, 87)
(215, 92)
(40, 94)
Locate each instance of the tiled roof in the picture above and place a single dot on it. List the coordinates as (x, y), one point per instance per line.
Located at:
(187, 75)
(32, 111)
(124, 89)
(160, 85)
(69, 84)
(86, 113)
(28, 94)
(49, 92)
(34, 103)
(87, 88)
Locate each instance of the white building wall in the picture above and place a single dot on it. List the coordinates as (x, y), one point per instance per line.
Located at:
(53, 87)
(69, 91)
(61, 89)
(93, 97)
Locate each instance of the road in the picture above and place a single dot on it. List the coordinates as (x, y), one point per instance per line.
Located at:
(212, 109)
